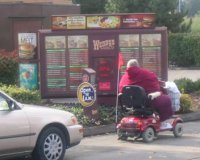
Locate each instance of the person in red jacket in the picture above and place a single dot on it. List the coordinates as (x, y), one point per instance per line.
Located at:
(147, 79)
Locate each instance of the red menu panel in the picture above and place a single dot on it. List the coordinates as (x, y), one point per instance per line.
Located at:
(138, 20)
(105, 73)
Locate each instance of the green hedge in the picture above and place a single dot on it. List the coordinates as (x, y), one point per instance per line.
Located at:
(8, 67)
(21, 94)
(184, 50)
(185, 103)
(186, 85)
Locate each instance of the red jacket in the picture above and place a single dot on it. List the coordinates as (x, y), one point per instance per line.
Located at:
(142, 77)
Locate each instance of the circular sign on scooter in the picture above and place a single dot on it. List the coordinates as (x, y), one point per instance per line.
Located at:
(86, 94)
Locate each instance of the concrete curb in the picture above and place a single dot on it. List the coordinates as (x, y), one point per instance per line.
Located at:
(111, 128)
(97, 130)
(194, 116)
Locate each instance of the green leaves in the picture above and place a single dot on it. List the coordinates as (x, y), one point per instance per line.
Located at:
(185, 103)
(8, 67)
(184, 50)
(21, 94)
(166, 12)
(91, 6)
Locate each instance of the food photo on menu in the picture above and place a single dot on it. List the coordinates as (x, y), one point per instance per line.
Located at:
(78, 41)
(55, 42)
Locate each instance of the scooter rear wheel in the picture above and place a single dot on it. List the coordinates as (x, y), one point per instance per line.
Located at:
(178, 130)
(121, 135)
(148, 135)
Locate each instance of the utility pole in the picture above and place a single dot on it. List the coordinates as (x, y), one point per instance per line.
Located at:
(179, 5)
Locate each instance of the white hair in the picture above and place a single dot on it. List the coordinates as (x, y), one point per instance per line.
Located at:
(132, 62)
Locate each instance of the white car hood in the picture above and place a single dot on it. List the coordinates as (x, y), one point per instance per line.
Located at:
(39, 115)
(43, 110)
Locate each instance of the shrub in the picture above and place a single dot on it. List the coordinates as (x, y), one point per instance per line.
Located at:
(106, 114)
(197, 85)
(78, 112)
(22, 95)
(185, 85)
(8, 67)
(184, 49)
(185, 103)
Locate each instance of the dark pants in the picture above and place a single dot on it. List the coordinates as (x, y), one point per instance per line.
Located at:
(163, 106)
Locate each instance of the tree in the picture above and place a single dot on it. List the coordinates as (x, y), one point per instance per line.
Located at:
(166, 11)
(91, 6)
(125, 6)
(168, 15)
(193, 7)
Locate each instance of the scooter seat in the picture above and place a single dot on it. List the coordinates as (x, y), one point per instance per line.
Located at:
(133, 100)
(133, 96)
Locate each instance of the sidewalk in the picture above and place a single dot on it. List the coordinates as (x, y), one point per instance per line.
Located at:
(178, 73)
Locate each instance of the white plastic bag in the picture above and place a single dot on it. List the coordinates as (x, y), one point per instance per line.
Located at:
(174, 93)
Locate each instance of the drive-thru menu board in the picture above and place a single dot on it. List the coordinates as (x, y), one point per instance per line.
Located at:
(97, 41)
(65, 57)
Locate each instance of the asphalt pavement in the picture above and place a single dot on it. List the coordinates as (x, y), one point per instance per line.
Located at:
(165, 147)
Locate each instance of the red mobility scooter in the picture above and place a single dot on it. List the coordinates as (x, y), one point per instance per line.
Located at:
(142, 121)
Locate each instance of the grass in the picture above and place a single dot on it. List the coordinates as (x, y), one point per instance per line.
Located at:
(195, 23)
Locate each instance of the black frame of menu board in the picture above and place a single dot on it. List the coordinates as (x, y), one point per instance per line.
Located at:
(99, 50)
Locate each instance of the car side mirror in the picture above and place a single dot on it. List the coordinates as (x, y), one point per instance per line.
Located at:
(11, 104)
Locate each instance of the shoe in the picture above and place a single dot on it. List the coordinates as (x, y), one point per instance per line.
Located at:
(165, 125)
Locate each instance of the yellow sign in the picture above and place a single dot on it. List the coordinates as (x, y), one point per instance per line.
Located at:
(86, 94)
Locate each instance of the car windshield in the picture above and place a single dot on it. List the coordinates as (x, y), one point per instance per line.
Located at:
(3, 104)
(4, 98)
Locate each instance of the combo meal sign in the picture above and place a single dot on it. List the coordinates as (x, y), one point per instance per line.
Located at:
(132, 20)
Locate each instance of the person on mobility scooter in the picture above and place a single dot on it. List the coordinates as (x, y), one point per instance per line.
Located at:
(151, 109)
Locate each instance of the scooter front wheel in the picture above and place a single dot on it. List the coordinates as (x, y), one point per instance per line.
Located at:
(178, 130)
(148, 135)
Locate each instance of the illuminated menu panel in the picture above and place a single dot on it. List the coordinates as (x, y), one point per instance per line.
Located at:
(56, 64)
(151, 52)
(149, 56)
(127, 54)
(129, 48)
(78, 59)
(152, 60)
(151, 40)
(56, 70)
